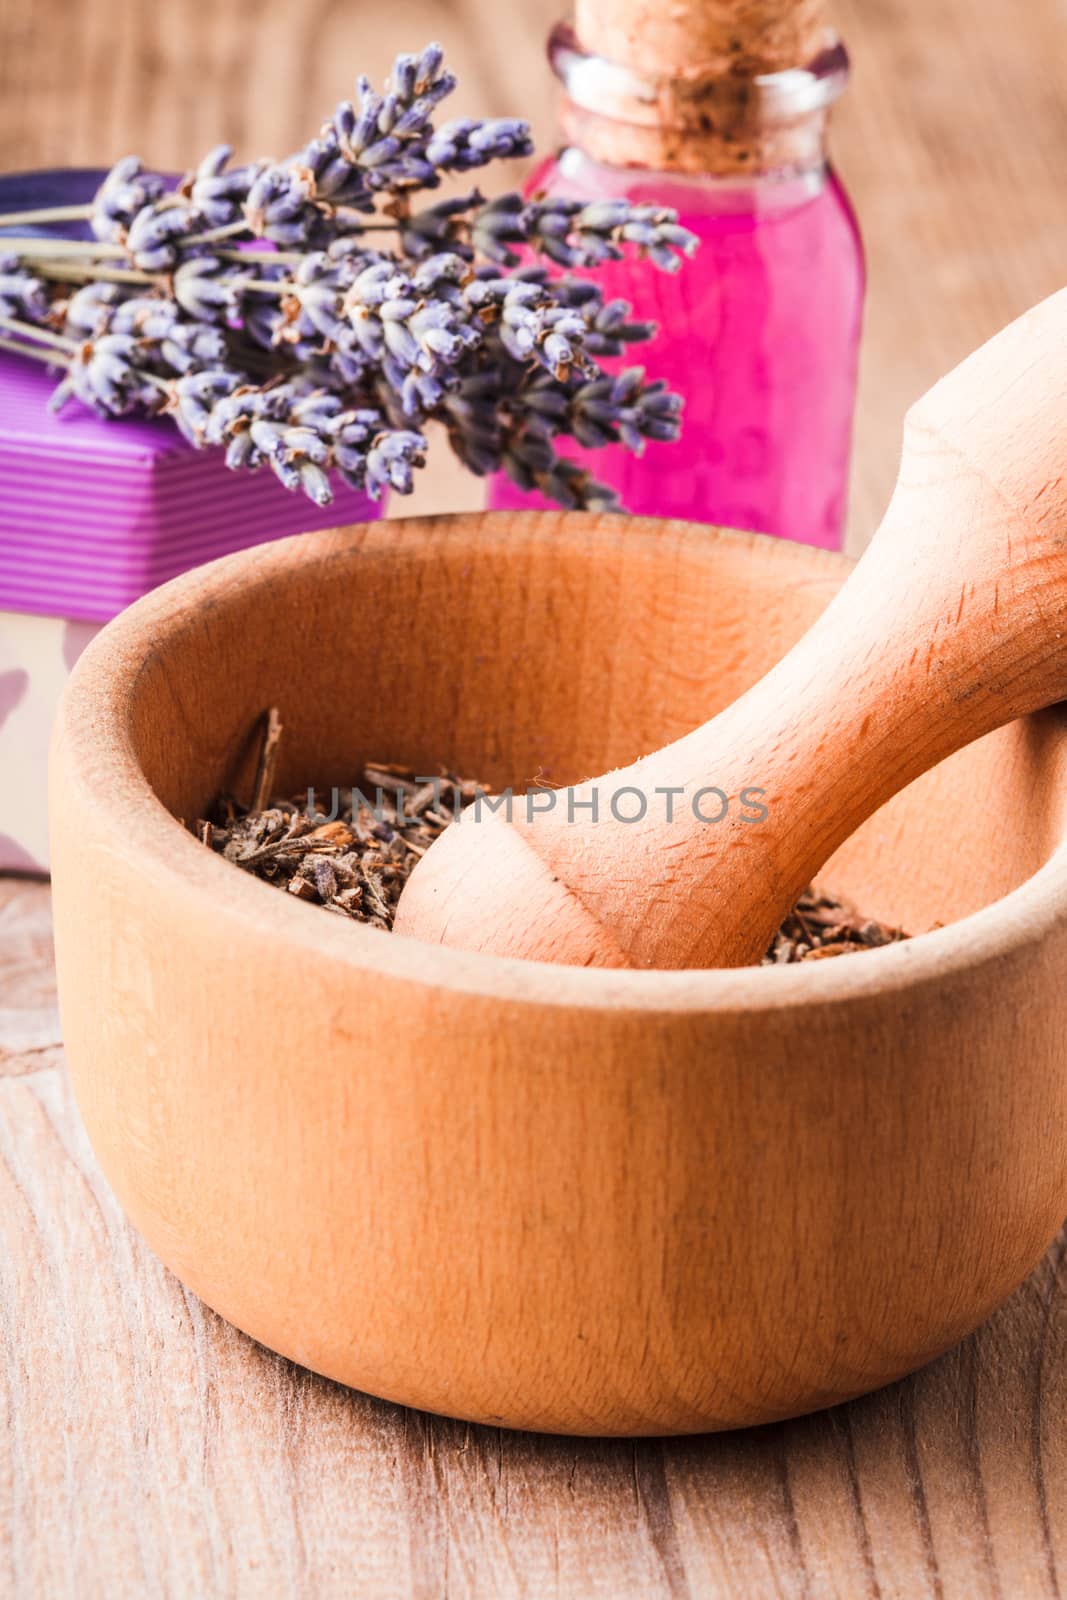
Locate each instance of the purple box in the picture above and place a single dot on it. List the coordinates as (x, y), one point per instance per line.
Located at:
(95, 513)
(92, 515)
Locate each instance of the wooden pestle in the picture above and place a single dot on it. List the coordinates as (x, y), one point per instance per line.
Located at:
(953, 623)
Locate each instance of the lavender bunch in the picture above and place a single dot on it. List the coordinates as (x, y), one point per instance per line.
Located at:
(324, 352)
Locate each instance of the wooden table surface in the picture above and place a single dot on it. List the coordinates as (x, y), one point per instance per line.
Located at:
(147, 1448)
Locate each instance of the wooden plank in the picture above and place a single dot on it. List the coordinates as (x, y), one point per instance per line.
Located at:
(951, 140)
(146, 1447)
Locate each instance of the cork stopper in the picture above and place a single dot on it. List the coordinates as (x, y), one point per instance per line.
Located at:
(716, 86)
(697, 39)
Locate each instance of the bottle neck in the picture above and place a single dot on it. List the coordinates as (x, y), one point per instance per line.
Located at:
(726, 124)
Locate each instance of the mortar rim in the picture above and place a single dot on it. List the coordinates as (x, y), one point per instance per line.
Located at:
(93, 725)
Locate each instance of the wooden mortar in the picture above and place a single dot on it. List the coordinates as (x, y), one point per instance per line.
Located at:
(586, 1201)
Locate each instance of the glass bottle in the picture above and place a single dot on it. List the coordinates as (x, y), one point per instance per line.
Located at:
(719, 109)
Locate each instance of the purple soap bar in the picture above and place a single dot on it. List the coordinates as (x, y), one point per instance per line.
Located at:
(94, 513)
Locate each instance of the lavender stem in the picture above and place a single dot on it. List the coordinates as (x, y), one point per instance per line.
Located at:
(20, 219)
(275, 257)
(29, 330)
(263, 285)
(230, 231)
(18, 348)
(59, 247)
(70, 272)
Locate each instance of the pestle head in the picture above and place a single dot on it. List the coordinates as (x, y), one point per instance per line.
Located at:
(952, 624)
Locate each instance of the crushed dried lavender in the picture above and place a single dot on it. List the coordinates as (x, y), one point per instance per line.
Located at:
(357, 862)
(820, 924)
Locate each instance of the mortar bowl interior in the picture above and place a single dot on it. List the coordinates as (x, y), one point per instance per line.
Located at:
(553, 1198)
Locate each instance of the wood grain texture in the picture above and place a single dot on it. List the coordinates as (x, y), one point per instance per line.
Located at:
(951, 139)
(147, 1448)
(563, 1198)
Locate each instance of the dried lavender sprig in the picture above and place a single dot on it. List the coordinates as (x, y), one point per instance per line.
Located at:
(574, 233)
(302, 433)
(571, 233)
(380, 142)
(508, 416)
(127, 190)
(384, 340)
(106, 374)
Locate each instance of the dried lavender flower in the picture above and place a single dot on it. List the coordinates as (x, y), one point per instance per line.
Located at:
(323, 349)
(574, 233)
(22, 294)
(126, 191)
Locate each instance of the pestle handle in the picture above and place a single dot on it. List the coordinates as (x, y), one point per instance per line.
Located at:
(953, 623)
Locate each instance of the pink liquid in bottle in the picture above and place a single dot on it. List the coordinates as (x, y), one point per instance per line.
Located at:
(759, 332)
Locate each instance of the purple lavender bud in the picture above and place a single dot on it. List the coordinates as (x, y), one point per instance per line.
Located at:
(411, 121)
(126, 190)
(603, 216)
(401, 343)
(365, 127)
(189, 347)
(390, 110)
(345, 119)
(627, 385)
(441, 87)
(153, 227)
(682, 238)
(379, 153)
(22, 295)
(193, 398)
(428, 67)
(287, 472)
(436, 271)
(502, 138)
(216, 195)
(277, 195)
(465, 144)
(405, 77)
(304, 441)
(316, 410)
(268, 438)
(391, 461)
(315, 483)
(241, 453)
(227, 415)
(279, 207)
(215, 161)
(203, 289)
(420, 395)
(90, 308)
(104, 374)
(558, 355)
